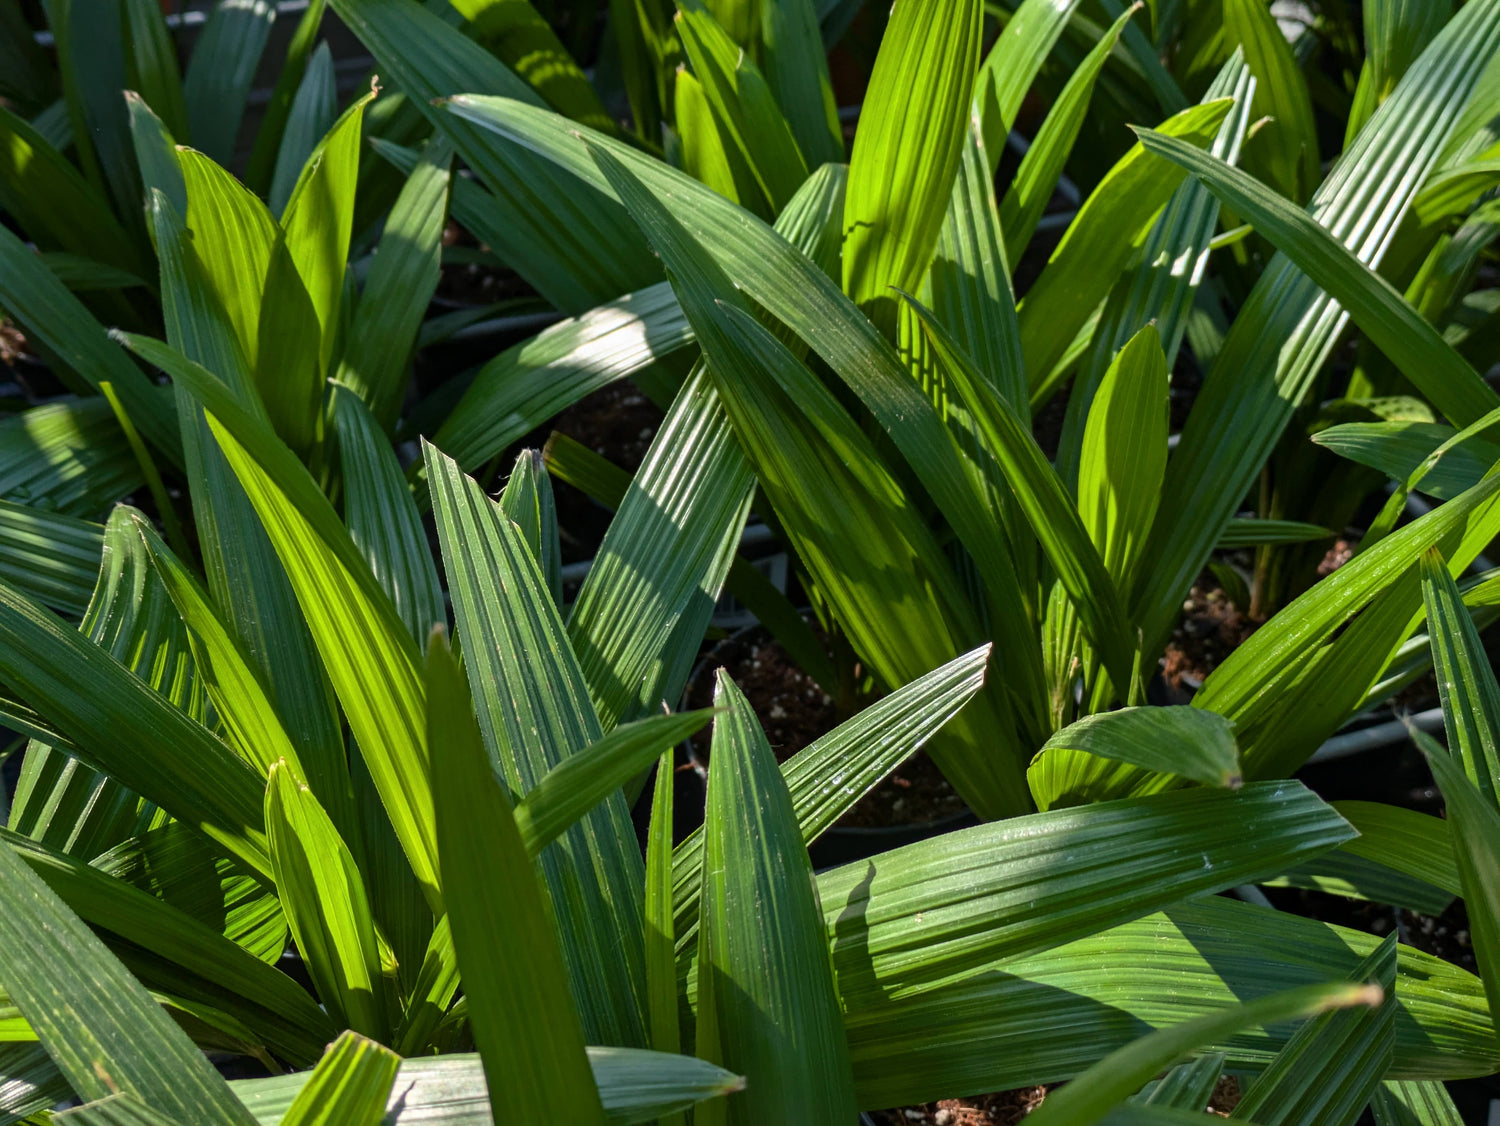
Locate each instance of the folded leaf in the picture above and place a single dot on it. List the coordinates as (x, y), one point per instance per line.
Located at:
(1187, 742)
(1091, 1096)
(664, 558)
(324, 898)
(408, 263)
(318, 218)
(220, 74)
(1466, 680)
(1187, 1086)
(1041, 495)
(349, 1087)
(534, 712)
(767, 1004)
(1414, 1102)
(744, 109)
(1042, 166)
(97, 1022)
(515, 983)
(383, 518)
(1476, 838)
(908, 148)
(1417, 348)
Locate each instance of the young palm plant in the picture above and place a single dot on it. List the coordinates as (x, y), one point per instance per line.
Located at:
(281, 746)
(894, 455)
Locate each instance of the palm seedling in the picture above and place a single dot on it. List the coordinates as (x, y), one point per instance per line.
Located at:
(283, 749)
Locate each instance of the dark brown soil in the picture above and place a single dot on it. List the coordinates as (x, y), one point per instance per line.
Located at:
(791, 707)
(1212, 627)
(794, 711)
(1340, 553)
(1446, 936)
(1003, 1109)
(1226, 1096)
(12, 343)
(475, 282)
(617, 422)
(1009, 1107)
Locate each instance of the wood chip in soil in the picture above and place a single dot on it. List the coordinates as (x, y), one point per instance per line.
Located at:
(1003, 1109)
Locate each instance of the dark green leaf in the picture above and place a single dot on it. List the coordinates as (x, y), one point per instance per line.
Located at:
(515, 982)
(312, 114)
(534, 711)
(383, 518)
(126, 730)
(400, 285)
(1476, 845)
(1465, 678)
(1331, 1067)
(767, 1004)
(219, 77)
(1090, 1098)
(98, 1023)
(578, 783)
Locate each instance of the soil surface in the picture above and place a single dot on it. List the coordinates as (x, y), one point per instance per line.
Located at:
(1212, 627)
(476, 278)
(1009, 1107)
(1003, 1109)
(12, 343)
(616, 422)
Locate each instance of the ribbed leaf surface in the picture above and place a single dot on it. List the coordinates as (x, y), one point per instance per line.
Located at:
(97, 1022)
(515, 981)
(1047, 1017)
(767, 1004)
(534, 712)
